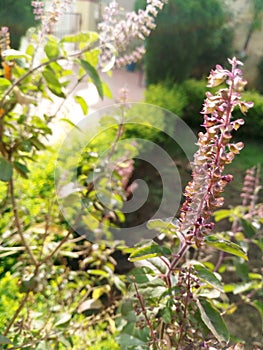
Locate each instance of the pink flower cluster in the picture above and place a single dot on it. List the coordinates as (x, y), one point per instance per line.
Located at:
(120, 32)
(49, 15)
(38, 9)
(203, 194)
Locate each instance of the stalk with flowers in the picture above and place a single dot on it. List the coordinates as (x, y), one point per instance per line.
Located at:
(176, 298)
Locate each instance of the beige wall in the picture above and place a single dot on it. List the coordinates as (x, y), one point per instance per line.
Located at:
(241, 16)
(89, 14)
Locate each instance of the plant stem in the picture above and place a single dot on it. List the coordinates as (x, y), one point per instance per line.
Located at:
(24, 300)
(18, 224)
(148, 322)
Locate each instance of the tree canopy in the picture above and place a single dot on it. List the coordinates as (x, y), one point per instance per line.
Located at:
(190, 35)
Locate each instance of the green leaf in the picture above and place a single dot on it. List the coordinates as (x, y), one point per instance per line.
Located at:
(12, 54)
(94, 76)
(131, 337)
(68, 121)
(258, 304)
(53, 82)
(208, 277)
(213, 320)
(30, 50)
(140, 275)
(62, 319)
(51, 49)
(222, 214)
(90, 304)
(248, 228)
(167, 315)
(246, 286)
(226, 246)
(119, 284)
(147, 252)
(106, 90)
(6, 170)
(99, 291)
(88, 38)
(259, 243)
(38, 145)
(21, 169)
(4, 84)
(83, 104)
(98, 273)
(4, 340)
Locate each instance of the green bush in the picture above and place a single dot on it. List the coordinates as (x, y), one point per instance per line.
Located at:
(254, 116)
(178, 47)
(173, 99)
(186, 101)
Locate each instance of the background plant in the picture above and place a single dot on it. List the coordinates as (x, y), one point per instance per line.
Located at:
(184, 28)
(62, 291)
(178, 300)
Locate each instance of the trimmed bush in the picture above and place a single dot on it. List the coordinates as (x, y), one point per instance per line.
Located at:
(186, 100)
(171, 98)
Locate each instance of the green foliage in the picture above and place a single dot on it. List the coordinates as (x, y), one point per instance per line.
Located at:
(186, 100)
(178, 48)
(57, 282)
(60, 291)
(253, 118)
(171, 98)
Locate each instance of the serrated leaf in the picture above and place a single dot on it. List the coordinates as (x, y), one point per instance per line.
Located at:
(226, 246)
(94, 76)
(258, 304)
(6, 170)
(83, 104)
(208, 277)
(147, 252)
(213, 320)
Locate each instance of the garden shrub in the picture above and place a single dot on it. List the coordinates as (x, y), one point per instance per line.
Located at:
(171, 98)
(177, 49)
(175, 302)
(254, 117)
(186, 100)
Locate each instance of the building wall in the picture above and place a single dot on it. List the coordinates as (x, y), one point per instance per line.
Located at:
(241, 14)
(89, 12)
